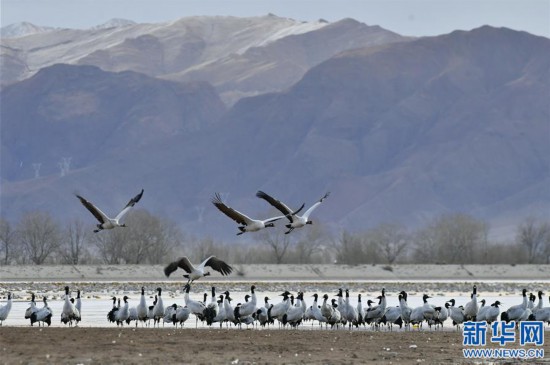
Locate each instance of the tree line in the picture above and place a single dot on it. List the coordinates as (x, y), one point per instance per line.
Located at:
(37, 238)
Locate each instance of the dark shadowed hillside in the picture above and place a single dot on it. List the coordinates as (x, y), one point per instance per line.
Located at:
(90, 115)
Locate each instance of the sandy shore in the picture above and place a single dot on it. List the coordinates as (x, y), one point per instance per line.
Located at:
(282, 273)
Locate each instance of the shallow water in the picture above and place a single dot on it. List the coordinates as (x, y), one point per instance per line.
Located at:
(97, 304)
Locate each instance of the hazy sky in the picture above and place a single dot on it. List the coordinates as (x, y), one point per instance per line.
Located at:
(407, 17)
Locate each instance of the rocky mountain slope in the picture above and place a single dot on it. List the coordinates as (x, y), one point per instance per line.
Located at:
(239, 56)
(398, 132)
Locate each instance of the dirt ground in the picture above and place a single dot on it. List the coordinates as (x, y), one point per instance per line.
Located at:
(19, 345)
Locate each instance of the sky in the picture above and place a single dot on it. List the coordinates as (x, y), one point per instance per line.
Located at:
(406, 17)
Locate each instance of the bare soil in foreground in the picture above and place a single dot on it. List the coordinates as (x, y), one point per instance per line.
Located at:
(19, 345)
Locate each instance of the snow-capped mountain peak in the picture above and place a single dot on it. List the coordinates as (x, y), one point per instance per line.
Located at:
(22, 29)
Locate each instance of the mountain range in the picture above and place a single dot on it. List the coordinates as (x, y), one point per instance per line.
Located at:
(239, 56)
(398, 129)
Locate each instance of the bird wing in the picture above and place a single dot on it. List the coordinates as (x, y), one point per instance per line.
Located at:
(130, 204)
(312, 208)
(220, 266)
(182, 262)
(230, 212)
(273, 219)
(296, 211)
(280, 206)
(100, 216)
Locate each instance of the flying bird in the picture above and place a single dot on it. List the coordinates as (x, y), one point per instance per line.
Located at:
(296, 221)
(104, 221)
(194, 273)
(247, 224)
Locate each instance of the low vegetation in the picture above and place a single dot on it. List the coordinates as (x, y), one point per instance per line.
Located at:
(448, 239)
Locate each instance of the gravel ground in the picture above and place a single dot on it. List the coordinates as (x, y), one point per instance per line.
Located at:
(207, 346)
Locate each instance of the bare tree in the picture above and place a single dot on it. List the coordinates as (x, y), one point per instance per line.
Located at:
(277, 241)
(145, 239)
(110, 245)
(390, 241)
(248, 254)
(311, 241)
(426, 246)
(7, 241)
(202, 248)
(350, 249)
(152, 239)
(144, 231)
(505, 253)
(453, 238)
(39, 235)
(74, 242)
(534, 236)
(547, 250)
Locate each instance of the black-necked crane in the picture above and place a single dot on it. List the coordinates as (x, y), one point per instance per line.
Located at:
(229, 310)
(247, 224)
(471, 308)
(69, 312)
(104, 221)
(336, 317)
(296, 221)
(295, 314)
(212, 309)
(44, 314)
(158, 309)
(441, 314)
(123, 312)
(197, 272)
(248, 308)
(317, 311)
(112, 313)
(182, 314)
(32, 308)
(405, 309)
(481, 312)
(516, 312)
(326, 308)
(392, 316)
(196, 307)
(374, 314)
(425, 312)
(5, 310)
(220, 317)
(78, 306)
(141, 308)
(540, 303)
(278, 310)
(457, 314)
(493, 311)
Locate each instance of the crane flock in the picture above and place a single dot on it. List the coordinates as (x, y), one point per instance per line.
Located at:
(246, 224)
(294, 309)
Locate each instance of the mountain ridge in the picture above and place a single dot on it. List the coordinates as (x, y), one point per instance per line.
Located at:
(239, 56)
